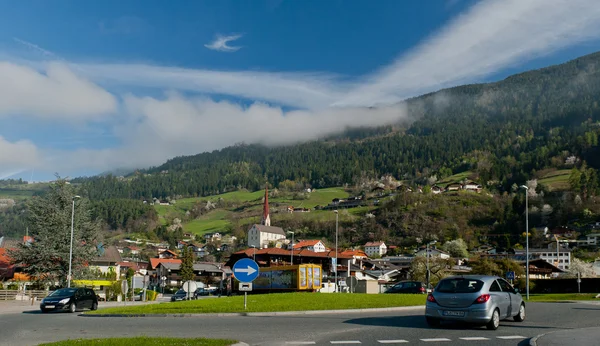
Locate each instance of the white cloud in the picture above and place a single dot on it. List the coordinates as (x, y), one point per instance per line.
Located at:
(303, 90)
(17, 156)
(491, 35)
(159, 129)
(58, 94)
(220, 43)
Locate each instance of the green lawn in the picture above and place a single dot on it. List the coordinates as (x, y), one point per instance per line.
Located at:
(214, 221)
(556, 180)
(145, 340)
(557, 297)
(273, 302)
(454, 178)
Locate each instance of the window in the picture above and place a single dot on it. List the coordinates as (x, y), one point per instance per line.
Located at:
(495, 287)
(506, 287)
(459, 285)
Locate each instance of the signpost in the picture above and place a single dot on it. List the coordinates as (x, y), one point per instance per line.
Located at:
(189, 287)
(510, 276)
(124, 290)
(246, 271)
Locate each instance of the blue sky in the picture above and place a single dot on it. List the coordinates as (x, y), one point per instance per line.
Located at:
(92, 86)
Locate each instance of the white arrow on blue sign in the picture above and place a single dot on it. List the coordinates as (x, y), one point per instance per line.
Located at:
(245, 270)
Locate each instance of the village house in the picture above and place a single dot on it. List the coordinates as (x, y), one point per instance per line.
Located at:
(433, 252)
(472, 186)
(375, 248)
(311, 245)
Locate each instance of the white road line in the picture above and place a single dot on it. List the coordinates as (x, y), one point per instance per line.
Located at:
(400, 341)
(435, 339)
(300, 342)
(474, 338)
(345, 342)
(509, 337)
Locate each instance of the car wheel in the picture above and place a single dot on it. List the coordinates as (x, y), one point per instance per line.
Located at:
(432, 322)
(494, 323)
(94, 306)
(520, 317)
(73, 307)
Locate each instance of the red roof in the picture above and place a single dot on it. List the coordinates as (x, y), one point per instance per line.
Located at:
(354, 253)
(306, 243)
(374, 243)
(4, 259)
(273, 251)
(154, 262)
(27, 239)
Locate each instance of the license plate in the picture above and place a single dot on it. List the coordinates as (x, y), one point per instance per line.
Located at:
(454, 313)
(49, 306)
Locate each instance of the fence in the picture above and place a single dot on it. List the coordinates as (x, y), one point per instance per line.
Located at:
(22, 295)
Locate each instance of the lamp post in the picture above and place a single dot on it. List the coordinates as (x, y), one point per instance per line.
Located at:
(254, 254)
(336, 249)
(292, 252)
(526, 239)
(71, 248)
(428, 274)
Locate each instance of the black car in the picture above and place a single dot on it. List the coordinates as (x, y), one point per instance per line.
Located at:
(70, 299)
(407, 287)
(179, 295)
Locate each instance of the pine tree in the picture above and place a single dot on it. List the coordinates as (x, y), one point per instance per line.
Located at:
(187, 265)
(46, 259)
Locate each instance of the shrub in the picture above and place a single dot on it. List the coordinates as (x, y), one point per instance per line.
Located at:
(151, 295)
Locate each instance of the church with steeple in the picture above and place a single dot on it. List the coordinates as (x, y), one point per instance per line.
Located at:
(260, 235)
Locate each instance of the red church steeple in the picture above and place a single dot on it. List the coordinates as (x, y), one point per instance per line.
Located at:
(266, 219)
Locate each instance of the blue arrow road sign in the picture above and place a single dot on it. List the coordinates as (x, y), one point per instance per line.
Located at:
(245, 270)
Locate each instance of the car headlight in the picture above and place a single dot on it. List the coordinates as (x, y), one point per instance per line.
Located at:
(64, 301)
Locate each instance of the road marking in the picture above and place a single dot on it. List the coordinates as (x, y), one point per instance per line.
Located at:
(435, 339)
(474, 338)
(509, 337)
(345, 342)
(400, 341)
(300, 342)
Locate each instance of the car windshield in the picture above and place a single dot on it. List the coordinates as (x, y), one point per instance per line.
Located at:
(459, 285)
(63, 292)
(180, 292)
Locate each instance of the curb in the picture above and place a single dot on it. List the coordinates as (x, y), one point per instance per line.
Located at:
(240, 344)
(263, 314)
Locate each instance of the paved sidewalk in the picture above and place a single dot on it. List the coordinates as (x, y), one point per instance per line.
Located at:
(574, 337)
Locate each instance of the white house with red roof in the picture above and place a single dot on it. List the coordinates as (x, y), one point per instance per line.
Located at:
(311, 245)
(375, 248)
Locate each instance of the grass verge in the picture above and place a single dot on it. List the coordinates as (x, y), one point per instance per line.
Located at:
(273, 303)
(557, 297)
(145, 340)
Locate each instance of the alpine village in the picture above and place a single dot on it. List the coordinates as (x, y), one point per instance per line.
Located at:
(457, 185)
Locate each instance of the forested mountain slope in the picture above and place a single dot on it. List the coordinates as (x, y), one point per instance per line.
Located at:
(503, 131)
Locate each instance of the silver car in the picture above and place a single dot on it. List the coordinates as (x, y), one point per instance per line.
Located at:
(477, 299)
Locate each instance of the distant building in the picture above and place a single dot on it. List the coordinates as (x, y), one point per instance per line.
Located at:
(375, 248)
(261, 235)
(311, 245)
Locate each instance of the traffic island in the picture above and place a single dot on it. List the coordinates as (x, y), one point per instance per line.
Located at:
(280, 303)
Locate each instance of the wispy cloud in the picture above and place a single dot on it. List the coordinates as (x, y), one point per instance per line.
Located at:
(491, 35)
(45, 53)
(220, 43)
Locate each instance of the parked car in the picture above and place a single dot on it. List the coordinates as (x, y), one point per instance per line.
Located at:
(70, 299)
(201, 291)
(476, 299)
(179, 295)
(407, 287)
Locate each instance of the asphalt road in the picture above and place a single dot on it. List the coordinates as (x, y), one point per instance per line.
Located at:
(406, 327)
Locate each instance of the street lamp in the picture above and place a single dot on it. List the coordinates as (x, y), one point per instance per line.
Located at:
(336, 249)
(71, 248)
(428, 273)
(526, 239)
(292, 252)
(254, 254)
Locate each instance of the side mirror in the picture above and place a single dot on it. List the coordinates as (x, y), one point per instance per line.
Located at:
(517, 291)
